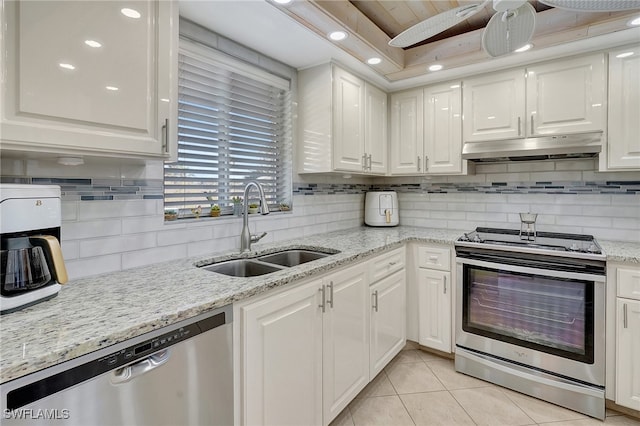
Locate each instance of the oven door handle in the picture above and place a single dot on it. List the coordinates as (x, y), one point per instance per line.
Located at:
(533, 271)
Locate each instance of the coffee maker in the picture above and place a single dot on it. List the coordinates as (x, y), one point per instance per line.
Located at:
(31, 263)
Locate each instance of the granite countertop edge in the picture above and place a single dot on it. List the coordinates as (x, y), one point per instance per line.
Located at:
(62, 334)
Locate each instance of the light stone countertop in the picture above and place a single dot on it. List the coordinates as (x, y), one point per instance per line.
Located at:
(96, 312)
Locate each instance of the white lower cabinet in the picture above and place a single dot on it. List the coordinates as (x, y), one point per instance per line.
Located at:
(306, 352)
(345, 343)
(434, 297)
(388, 321)
(628, 337)
(281, 352)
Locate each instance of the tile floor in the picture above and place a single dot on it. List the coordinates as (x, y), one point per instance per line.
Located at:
(419, 388)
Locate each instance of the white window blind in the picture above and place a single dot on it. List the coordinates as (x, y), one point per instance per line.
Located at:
(233, 127)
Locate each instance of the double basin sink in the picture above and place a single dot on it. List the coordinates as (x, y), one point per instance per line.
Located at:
(267, 263)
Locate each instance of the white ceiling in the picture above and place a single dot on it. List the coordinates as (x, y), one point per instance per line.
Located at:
(262, 27)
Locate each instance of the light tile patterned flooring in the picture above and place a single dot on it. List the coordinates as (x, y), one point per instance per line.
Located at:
(419, 388)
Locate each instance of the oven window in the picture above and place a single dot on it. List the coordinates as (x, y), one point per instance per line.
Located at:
(552, 315)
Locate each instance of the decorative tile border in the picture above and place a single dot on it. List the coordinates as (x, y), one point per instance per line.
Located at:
(81, 189)
(587, 187)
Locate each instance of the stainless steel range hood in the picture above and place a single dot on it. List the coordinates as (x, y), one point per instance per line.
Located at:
(539, 148)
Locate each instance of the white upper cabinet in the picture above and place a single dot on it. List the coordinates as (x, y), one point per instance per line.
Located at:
(566, 96)
(342, 121)
(84, 78)
(375, 131)
(348, 124)
(494, 106)
(407, 132)
(443, 129)
(623, 142)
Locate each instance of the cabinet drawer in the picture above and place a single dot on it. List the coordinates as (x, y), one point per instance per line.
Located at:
(386, 264)
(628, 283)
(434, 258)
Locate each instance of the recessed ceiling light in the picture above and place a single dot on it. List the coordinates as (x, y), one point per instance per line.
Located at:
(337, 35)
(282, 1)
(634, 22)
(130, 13)
(112, 88)
(625, 55)
(435, 67)
(92, 43)
(454, 86)
(66, 66)
(524, 48)
(374, 61)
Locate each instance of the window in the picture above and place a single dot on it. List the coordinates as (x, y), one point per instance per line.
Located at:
(234, 126)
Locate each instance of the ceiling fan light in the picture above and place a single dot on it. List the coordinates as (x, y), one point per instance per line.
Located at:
(524, 48)
(374, 61)
(337, 35)
(435, 67)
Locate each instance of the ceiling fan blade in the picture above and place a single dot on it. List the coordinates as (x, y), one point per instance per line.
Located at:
(435, 25)
(508, 31)
(594, 5)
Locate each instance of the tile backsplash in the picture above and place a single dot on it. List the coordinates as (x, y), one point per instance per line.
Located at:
(113, 213)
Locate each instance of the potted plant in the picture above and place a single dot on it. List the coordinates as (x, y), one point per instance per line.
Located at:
(170, 215)
(237, 205)
(284, 207)
(197, 212)
(253, 208)
(215, 210)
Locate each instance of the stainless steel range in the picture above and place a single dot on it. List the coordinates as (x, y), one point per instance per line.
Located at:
(530, 314)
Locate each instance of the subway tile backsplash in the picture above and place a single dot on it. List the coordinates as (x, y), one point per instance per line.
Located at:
(113, 214)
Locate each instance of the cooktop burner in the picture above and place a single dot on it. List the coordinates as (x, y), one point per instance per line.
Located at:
(544, 241)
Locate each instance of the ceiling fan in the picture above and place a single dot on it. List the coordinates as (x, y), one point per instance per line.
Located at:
(510, 28)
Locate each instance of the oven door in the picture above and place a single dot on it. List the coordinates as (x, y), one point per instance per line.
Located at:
(542, 314)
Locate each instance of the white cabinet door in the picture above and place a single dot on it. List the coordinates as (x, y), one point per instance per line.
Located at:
(348, 124)
(407, 132)
(443, 129)
(376, 129)
(345, 340)
(282, 358)
(623, 142)
(628, 354)
(388, 321)
(566, 96)
(74, 81)
(434, 304)
(494, 107)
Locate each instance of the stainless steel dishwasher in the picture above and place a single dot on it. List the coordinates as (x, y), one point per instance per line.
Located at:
(179, 375)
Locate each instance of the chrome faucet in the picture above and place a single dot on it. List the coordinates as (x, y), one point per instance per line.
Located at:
(245, 237)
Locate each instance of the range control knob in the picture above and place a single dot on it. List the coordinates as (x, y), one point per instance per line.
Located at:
(574, 247)
(593, 249)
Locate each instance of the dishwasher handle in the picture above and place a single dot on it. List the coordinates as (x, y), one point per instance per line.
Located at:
(130, 372)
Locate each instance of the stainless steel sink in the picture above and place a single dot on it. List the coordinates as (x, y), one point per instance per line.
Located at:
(266, 264)
(293, 257)
(242, 268)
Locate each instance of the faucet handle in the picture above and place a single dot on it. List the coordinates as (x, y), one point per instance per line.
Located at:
(256, 238)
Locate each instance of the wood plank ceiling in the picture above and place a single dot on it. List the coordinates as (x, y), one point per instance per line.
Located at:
(372, 23)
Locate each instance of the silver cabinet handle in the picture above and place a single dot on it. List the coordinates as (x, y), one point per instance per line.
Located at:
(418, 163)
(331, 294)
(130, 372)
(165, 136)
(392, 263)
(445, 285)
(519, 126)
(426, 163)
(532, 126)
(624, 314)
(375, 300)
(369, 162)
(364, 161)
(322, 305)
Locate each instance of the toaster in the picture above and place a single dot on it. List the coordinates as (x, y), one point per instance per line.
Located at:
(381, 208)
